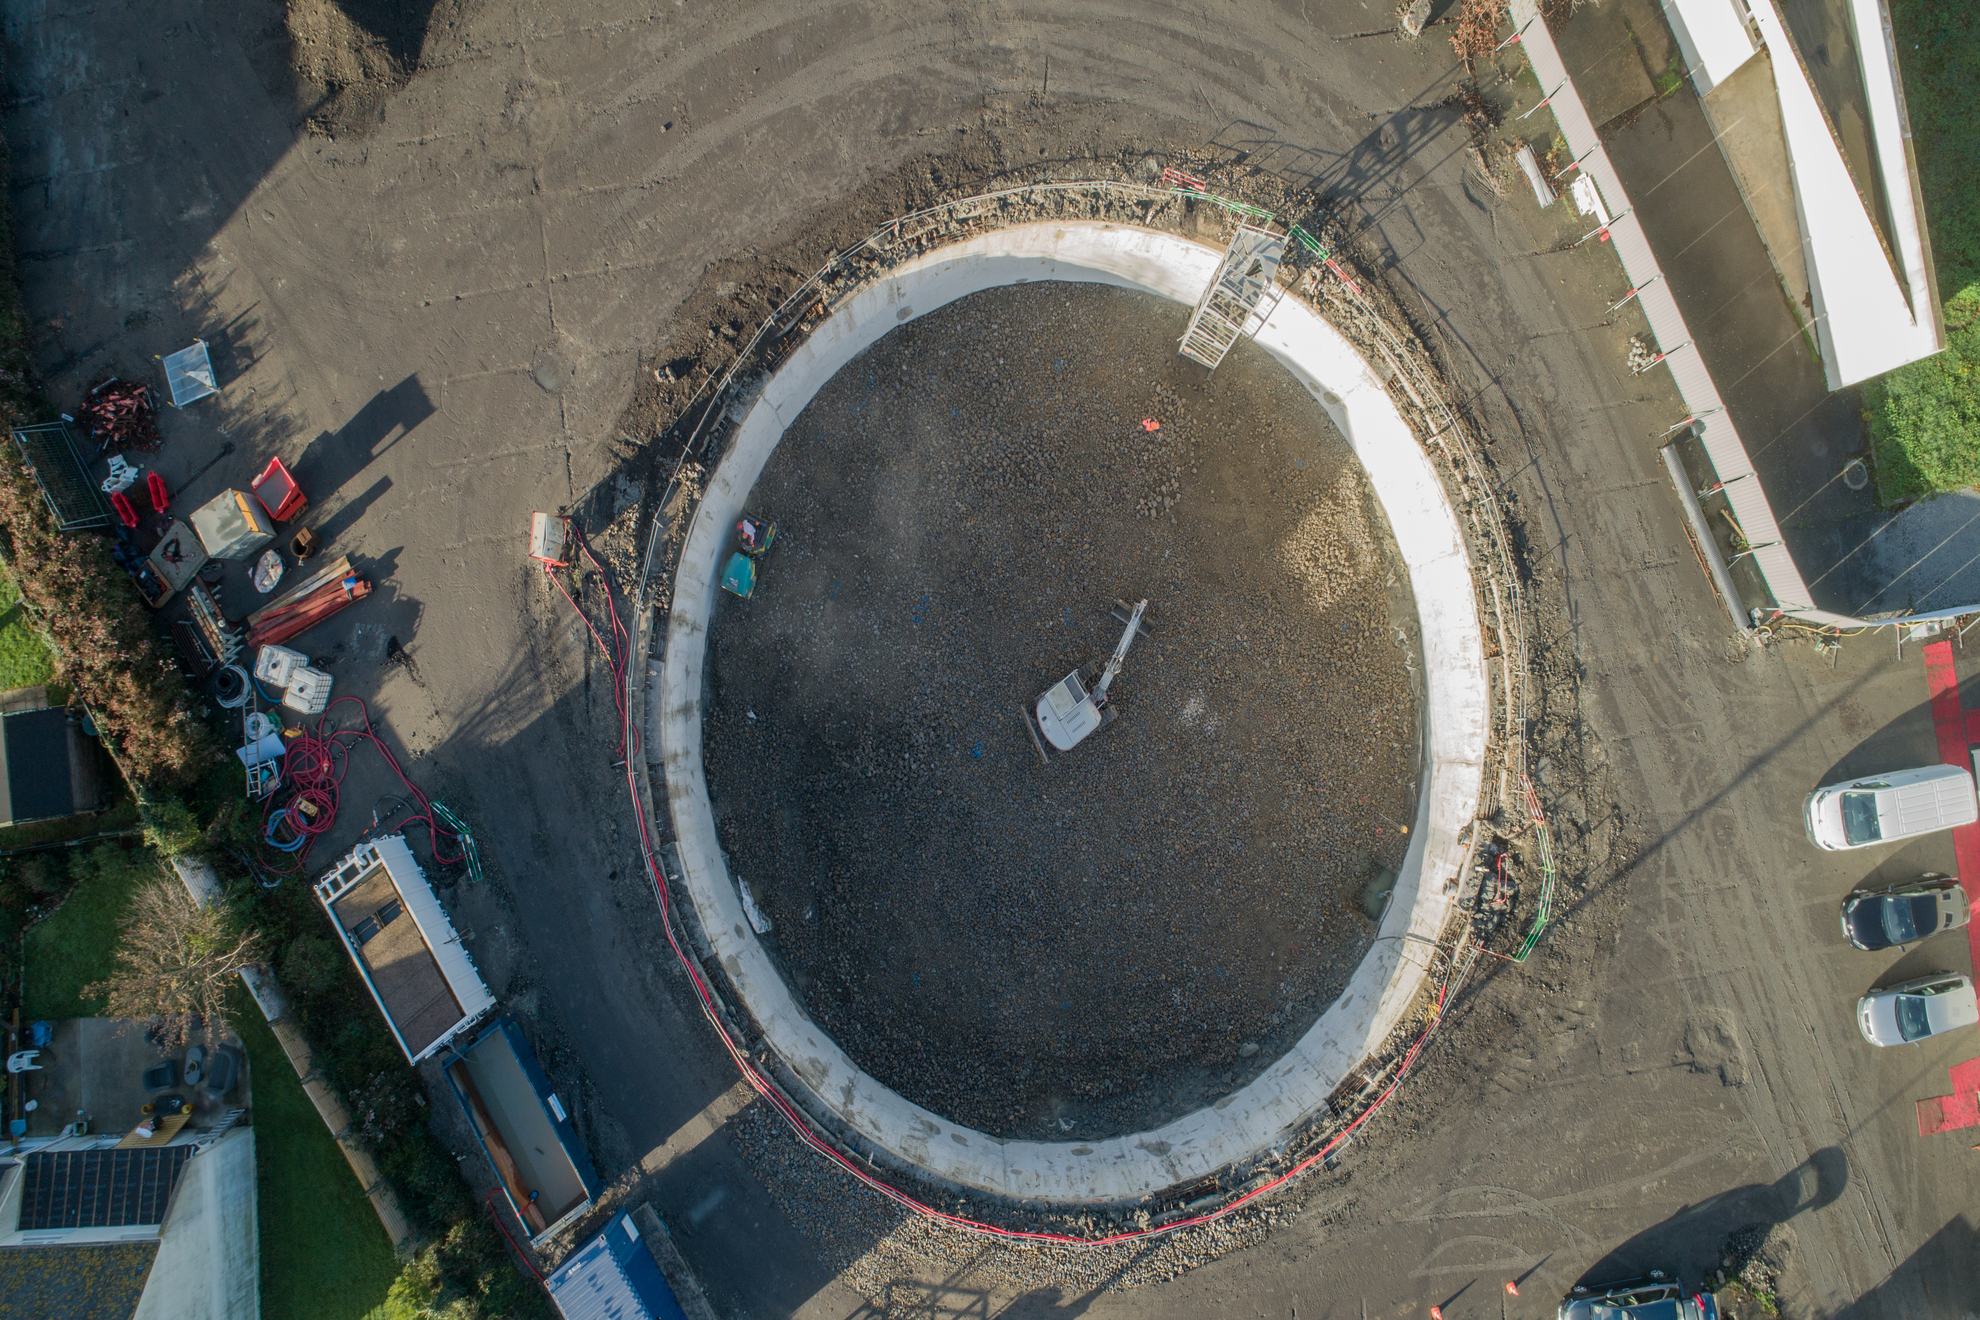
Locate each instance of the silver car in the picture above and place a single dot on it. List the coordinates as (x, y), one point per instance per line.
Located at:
(1917, 1010)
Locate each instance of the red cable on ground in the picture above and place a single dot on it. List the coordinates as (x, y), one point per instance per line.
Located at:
(619, 659)
(315, 765)
(522, 1255)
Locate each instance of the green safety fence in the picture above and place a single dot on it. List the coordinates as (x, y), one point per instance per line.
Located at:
(1545, 908)
(1251, 212)
(453, 823)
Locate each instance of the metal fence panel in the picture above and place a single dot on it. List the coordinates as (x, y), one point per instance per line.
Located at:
(57, 467)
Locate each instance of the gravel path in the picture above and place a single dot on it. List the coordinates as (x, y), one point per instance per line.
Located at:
(1099, 945)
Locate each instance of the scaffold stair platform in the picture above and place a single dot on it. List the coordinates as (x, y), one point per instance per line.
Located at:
(1240, 296)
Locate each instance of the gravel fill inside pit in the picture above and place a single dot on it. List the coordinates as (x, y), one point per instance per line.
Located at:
(1097, 946)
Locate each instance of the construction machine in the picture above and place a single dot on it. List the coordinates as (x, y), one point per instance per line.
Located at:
(1076, 706)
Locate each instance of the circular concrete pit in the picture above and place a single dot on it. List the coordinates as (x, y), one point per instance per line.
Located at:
(1087, 981)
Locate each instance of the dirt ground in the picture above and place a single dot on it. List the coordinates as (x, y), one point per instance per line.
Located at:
(1102, 944)
(457, 313)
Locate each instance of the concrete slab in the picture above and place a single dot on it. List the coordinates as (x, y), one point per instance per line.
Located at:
(1604, 60)
(1745, 116)
(95, 1067)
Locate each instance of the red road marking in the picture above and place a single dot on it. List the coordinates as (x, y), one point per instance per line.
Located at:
(1943, 1113)
(1954, 727)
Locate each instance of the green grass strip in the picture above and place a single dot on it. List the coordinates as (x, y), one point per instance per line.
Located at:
(324, 1255)
(24, 658)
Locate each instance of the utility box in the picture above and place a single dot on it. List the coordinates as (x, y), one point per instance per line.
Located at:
(277, 665)
(309, 691)
(177, 557)
(233, 525)
(546, 540)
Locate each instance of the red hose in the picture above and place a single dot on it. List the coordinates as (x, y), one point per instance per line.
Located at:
(315, 767)
(521, 1255)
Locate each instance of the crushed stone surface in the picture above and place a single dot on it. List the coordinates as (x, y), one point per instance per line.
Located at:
(1100, 945)
(911, 1265)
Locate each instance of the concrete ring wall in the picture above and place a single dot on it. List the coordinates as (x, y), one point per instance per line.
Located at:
(1455, 718)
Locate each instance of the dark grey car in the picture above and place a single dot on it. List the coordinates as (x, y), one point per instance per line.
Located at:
(1904, 913)
(1657, 1296)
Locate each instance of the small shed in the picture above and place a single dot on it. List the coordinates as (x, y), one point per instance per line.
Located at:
(404, 946)
(523, 1128)
(48, 765)
(613, 1277)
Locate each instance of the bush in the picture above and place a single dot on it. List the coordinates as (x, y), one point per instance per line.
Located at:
(1925, 417)
(310, 965)
(169, 825)
(104, 643)
(466, 1275)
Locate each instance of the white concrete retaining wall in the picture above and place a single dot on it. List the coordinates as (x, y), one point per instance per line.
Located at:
(1455, 720)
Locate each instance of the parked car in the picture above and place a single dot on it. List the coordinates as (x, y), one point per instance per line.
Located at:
(1917, 1010)
(1885, 808)
(1656, 1296)
(1904, 913)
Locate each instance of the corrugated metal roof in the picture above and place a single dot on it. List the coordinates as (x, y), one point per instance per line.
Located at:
(613, 1277)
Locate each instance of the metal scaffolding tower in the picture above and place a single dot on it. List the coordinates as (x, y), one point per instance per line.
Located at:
(1241, 295)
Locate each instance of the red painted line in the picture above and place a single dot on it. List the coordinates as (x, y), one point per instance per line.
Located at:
(1961, 1109)
(1954, 727)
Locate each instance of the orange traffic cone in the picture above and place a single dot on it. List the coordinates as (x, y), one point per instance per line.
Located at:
(1436, 1313)
(1512, 1288)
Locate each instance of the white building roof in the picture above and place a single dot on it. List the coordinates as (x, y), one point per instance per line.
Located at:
(1875, 308)
(1714, 37)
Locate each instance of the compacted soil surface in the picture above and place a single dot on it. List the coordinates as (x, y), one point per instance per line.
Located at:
(1097, 945)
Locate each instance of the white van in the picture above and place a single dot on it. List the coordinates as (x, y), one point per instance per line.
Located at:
(1885, 808)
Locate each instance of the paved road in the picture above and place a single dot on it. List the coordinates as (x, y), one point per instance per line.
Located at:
(439, 322)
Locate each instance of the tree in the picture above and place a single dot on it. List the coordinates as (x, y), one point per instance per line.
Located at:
(176, 962)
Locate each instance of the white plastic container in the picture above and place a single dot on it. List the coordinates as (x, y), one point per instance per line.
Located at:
(276, 665)
(546, 539)
(309, 691)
